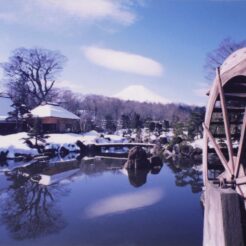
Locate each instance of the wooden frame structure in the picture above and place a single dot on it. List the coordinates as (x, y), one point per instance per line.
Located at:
(225, 124)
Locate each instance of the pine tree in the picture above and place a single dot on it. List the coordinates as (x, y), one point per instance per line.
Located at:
(36, 132)
(17, 115)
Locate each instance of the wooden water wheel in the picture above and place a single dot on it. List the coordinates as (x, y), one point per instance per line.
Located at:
(225, 125)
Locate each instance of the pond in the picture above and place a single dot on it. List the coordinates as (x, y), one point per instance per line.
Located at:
(93, 201)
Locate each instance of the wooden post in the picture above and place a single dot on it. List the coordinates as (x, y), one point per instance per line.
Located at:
(205, 158)
(241, 145)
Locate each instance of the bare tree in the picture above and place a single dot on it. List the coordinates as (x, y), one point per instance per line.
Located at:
(30, 74)
(216, 57)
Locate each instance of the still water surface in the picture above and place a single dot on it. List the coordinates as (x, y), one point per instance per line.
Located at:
(96, 202)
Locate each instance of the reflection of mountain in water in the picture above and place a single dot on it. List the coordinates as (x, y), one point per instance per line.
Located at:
(186, 173)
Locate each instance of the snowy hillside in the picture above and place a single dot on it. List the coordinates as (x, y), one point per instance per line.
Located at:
(141, 94)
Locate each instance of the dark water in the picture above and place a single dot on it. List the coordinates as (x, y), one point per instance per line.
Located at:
(95, 202)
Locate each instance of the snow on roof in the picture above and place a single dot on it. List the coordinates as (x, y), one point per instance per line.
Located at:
(5, 108)
(49, 110)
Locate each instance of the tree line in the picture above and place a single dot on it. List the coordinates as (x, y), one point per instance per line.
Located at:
(30, 78)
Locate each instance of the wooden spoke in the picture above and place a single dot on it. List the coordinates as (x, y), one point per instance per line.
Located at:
(226, 120)
(217, 150)
(241, 145)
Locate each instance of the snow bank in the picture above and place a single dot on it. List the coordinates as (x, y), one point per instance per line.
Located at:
(198, 143)
(67, 140)
(14, 143)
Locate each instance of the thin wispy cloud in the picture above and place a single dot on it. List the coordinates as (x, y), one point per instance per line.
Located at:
(41, 12)
(95, 10)
(123, 61)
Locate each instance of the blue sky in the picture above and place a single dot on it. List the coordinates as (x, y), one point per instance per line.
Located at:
(112, 44)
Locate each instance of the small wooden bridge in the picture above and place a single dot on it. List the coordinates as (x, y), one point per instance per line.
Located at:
(124, 145)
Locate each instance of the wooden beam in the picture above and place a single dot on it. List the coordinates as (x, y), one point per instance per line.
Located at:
(205, 158)
(226, 120)
(240, 181)
(218, 151)
(241, 145)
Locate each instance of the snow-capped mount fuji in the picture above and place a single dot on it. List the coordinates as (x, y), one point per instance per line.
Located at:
(140, 93)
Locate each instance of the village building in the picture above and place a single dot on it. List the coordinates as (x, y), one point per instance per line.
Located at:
(56, 119)
(7, 125)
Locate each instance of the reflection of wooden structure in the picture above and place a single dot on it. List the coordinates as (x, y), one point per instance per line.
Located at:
(225, 123)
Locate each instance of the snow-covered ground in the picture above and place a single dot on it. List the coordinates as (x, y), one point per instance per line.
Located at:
(198, 143)
(15, 143)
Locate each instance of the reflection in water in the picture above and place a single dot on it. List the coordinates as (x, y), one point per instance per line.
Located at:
(137, 177)
(30, 210)
(124, 202)
(186, 173)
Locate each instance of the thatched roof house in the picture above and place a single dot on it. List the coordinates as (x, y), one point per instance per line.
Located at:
(55, 118)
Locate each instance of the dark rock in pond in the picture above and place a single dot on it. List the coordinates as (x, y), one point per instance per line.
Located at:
(3, 155)
(155, 161)
(186, 150)
(163, 140)
(156, 169)
(82, 147)
(92, 149)
(63, 151)
(137, 159)
(136, 177)
(196, 151)
(155, 164)
(176, 149)
(50, 152)
(177, 140)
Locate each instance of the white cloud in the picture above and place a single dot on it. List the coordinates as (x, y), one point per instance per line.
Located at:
(48, 13)
(123, 61)
(97, 9)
